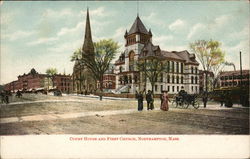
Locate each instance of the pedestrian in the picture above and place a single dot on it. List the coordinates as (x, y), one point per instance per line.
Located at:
(150, 100)
(164, 101)
(205, 98)
(6, 97)
(86, 92)
(222, 96)
(139, 97)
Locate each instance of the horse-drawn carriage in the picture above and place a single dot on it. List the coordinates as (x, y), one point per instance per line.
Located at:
(184, 100)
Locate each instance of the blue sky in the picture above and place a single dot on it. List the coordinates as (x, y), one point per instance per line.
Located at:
(45, 34)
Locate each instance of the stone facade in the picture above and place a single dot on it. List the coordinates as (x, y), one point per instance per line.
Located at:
(183, 67)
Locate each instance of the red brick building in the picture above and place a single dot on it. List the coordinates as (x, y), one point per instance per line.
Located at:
(233, 78)
(33, 81)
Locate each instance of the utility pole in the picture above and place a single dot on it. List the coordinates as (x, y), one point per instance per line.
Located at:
(240, 71)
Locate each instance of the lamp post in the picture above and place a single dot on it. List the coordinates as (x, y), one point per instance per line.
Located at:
(240, 70)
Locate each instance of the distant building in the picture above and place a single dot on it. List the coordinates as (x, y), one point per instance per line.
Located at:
(182, 72)
(108, 80)
(33, 81)
(202, 80)
(233, 78)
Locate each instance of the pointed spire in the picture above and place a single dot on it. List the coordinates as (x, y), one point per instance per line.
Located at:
(150, 33)
(88, 47)
(126, 33)
(138, 27)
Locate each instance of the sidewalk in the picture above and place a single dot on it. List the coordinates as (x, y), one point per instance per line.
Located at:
(65, 116)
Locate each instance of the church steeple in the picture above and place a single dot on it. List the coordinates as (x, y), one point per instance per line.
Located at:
(88, 47)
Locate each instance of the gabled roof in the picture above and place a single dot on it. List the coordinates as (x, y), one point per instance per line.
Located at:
(138, 27)
(189, 58)
(151, 51)
(180, 55)
(170, 55)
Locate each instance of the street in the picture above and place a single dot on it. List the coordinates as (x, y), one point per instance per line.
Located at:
(71, 114)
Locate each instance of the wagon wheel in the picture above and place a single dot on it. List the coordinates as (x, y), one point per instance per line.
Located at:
(186, 104)
(196, 105)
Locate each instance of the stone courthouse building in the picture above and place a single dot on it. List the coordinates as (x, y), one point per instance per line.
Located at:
(182, 66)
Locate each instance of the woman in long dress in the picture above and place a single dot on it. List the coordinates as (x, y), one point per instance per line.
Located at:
(165, 100)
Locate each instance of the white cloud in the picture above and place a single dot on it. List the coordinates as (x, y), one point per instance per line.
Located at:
(152, 18)
(232, 53)
(77, 28)
(196, 29)
(244, 33)
(42, 41)
(18, 35)
(101, 12)
(6, 17)
(66, 47)
(57, 13)
(119, 33)
(221, 20)
(162, 39)
(177, 25)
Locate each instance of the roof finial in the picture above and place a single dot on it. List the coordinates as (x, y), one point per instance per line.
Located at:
(137, 8)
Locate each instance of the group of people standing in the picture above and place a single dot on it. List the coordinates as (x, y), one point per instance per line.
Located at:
(150, 100)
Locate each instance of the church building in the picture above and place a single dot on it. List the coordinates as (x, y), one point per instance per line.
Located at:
(182, 67)
(82, 79)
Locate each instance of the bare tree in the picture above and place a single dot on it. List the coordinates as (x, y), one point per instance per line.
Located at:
(151, 68)
(210, 56)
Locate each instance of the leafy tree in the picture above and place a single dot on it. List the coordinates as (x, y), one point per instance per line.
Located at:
(151, 68)
(51, 72)
(210, 56)
(105, 51)
(76, 55)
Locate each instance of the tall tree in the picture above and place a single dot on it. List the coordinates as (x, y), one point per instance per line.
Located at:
(51, 72)
(76, 55)
(105, 51)
(209, 54)
(151, 68)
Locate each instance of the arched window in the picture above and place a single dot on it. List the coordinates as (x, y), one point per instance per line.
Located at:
(172, 66)
(125, 79)
(130, 79)
(161, 77)
(135, 78)
(182, 79)
(177, 79)
(196, 80)
(168, 66)
(182, 68)
(196, 70)
(120, 68)
(177, 67)
(192, 70)
(131, 60)
(192, 80)
(168, 78)
(172, 79)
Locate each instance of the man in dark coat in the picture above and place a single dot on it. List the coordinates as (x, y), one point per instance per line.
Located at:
(150, 100)
(139, 97)
(205, 98)
(222, 98)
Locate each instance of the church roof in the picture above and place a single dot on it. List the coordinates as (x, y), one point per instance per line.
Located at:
(138, 27)
(88, 46)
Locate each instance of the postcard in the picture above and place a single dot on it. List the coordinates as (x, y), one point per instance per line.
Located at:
(124, 79)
